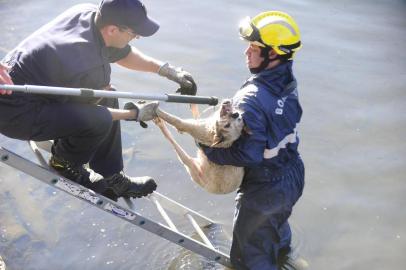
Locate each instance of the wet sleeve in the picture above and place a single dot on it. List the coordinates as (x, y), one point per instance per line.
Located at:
(248, 150)
(116, 54)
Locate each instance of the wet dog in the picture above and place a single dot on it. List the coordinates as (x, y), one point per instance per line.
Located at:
(219, 130)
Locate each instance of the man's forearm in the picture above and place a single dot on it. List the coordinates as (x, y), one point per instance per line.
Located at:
(136, 60)
(119, 114)
(236, 155)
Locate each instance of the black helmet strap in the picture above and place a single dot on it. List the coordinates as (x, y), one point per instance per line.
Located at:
(265, 54)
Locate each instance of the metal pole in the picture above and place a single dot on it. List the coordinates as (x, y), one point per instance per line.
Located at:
(84, 92)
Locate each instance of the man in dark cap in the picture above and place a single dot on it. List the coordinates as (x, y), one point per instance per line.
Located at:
(75, 50)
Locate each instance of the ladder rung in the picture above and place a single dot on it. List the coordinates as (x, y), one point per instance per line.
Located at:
(200, 231)
(180, 209)
(34, 147)
(130, 203)
(163, 213)
(44, 145)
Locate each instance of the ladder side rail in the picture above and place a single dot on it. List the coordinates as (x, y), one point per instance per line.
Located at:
(109, 206)
(165, 201)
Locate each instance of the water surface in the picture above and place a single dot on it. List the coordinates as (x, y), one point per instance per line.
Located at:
(352, 78)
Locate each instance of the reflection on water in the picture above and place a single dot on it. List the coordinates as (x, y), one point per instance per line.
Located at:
(186, 260)
(351, 74)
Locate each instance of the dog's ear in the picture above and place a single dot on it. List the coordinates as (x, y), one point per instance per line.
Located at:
(217, 140)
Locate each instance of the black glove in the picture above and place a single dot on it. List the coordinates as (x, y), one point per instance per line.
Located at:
(189, 89)
(145, 111)
(183, 78)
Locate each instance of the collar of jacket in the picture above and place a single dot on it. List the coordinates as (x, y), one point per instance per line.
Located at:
(278, 80)
(96, 32)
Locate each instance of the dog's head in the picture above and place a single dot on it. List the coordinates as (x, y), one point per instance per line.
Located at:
(229, 125)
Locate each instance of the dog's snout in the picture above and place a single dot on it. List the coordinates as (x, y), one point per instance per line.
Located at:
(226, 102)
(235, 115)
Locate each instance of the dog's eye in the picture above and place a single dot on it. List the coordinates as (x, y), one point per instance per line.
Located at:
(227, 125)
(235, 115)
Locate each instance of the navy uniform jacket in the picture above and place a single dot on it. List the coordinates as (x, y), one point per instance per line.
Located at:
(69, 52)
(271, 110)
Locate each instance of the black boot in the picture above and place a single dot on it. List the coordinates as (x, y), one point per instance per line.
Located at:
(79, 174)
(121, 185)
(113, 187)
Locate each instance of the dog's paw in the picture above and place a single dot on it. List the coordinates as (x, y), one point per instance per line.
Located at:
(158, 121)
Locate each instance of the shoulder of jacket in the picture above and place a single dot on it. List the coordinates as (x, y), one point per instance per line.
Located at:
(84, 7)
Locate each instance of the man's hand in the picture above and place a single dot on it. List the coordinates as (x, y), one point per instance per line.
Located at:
(183, 78)
(144, 111)
(4, 79)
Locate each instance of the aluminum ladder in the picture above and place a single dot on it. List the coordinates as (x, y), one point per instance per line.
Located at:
(128, 213)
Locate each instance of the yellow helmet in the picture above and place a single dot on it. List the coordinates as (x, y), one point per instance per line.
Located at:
(273, 29)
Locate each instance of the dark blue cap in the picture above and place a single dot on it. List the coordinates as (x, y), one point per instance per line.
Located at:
(129, 13)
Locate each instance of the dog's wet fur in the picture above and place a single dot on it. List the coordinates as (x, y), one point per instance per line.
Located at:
(220, 130)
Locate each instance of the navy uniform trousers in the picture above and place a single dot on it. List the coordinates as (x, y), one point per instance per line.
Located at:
(261, 233)
(81, 132)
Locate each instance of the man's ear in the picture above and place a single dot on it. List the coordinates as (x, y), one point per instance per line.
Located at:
(272, 54)
(110, 29)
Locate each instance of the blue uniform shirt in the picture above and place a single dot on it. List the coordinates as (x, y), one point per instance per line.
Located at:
(271, 110)
(69, 51)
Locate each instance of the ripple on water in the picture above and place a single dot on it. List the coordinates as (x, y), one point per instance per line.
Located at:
(173, 257)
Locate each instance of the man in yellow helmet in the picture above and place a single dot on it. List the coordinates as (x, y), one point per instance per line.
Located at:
(274, 171)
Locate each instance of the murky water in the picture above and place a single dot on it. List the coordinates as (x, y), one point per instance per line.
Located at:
(352, 77)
